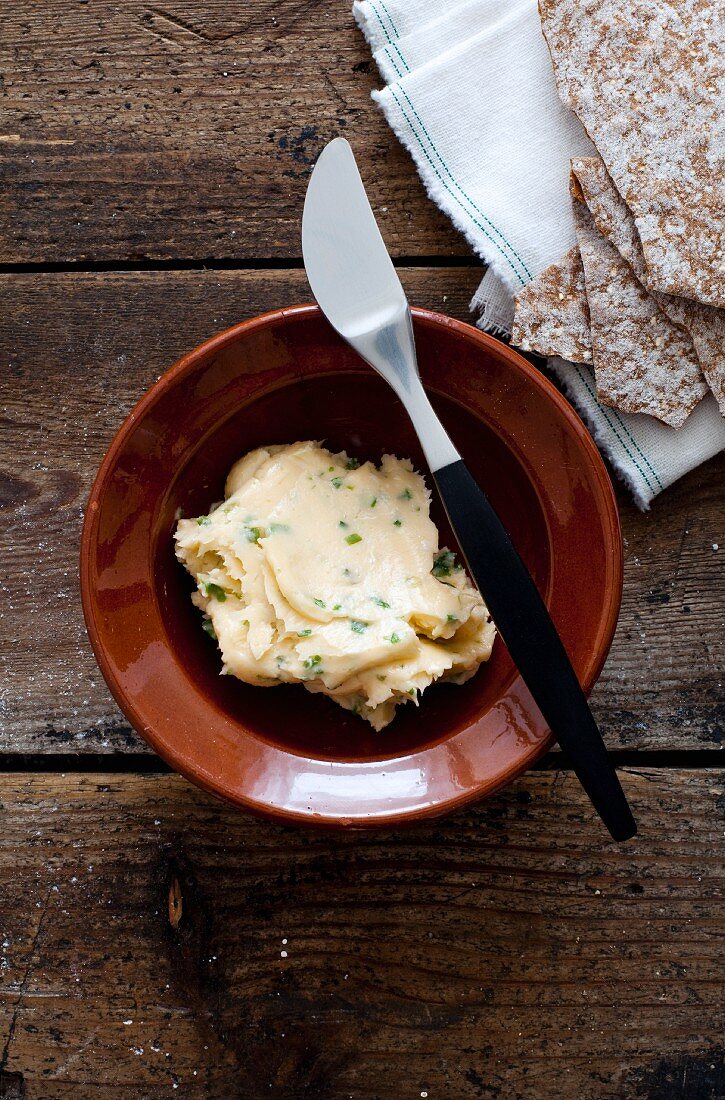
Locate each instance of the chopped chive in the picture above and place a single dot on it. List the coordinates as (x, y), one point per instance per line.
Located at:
(203, 521)
(451, 618)
(358, 626)
(337, 481)
(443, 564)
(208, 627)
(349, 487)
(319, 603)
(330, 469)
(303, 633)
(382, 678)
(278, 528)
(313, 662)
(352, 539)
(343, 524)
(411, 691)
(397, 523)
(352, 463)
(406, 495)
(254, 534)
(379, 602)
(393, 639)
(215, 590)
(245, 622)
(336, 606)
(347, 573)
(373, 502)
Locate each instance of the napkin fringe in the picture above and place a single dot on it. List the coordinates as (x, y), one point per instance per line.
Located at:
(363, 18)
(493, 305)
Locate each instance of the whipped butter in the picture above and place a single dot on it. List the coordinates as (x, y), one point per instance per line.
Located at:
(318, 570)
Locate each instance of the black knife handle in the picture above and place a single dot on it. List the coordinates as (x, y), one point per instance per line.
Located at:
(524, 623)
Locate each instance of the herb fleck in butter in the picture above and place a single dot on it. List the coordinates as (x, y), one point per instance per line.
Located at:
(444, 564)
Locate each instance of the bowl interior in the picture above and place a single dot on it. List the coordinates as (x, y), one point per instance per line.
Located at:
(359, 413)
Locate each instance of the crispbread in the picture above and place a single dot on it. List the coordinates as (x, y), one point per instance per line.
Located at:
(642, 361)
(613, 218)
(644, 78)
(552, 316)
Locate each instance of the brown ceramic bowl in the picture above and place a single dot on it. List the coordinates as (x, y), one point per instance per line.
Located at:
(283, 752)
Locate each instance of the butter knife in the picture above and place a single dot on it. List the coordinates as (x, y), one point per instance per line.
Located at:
(356, 286)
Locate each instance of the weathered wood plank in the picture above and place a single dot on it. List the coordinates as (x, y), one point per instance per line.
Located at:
(189, 129)
(82, 348)
(512, 951)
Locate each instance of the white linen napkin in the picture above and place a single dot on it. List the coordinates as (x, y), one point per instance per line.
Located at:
(470, 92)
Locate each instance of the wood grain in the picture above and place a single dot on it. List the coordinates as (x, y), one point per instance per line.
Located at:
(188, 129)
(511, 952)
(83, 347)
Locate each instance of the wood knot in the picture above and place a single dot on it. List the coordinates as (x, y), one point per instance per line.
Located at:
(176, 903)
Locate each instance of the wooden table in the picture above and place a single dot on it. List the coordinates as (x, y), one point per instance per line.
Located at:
(154, 163)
